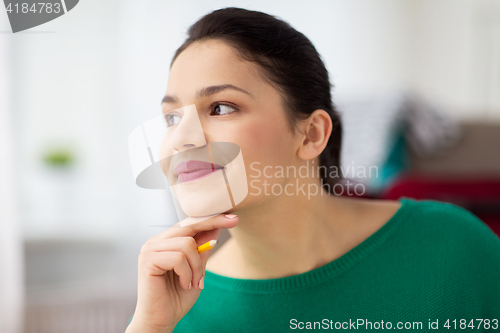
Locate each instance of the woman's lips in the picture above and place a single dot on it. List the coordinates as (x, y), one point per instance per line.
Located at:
(194, 169)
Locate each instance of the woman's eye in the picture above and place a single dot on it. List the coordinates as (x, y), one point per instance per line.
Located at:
(172, 119)
(222, 109)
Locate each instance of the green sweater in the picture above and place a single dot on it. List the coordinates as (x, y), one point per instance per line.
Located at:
(432, 262)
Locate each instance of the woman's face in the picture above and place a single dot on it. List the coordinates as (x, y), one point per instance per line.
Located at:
(244, 110)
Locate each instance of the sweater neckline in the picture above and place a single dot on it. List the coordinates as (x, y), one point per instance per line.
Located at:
(317, 275)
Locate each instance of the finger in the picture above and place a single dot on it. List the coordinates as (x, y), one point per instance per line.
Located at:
(188, 246)
(205, 236)
(158, 263)
(219, 221)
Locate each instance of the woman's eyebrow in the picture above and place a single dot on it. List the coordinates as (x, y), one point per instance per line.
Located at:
(207, 91)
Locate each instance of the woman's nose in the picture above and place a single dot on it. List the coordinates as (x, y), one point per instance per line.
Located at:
(188, 134)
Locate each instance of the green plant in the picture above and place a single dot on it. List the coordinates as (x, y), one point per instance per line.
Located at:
(58, 157)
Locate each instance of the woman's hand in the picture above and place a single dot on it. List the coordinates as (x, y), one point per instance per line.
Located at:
(168, 264)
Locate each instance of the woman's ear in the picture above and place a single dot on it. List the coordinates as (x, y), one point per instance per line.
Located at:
(316, 130)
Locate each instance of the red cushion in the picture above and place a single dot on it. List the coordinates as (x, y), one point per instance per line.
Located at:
(478, 194)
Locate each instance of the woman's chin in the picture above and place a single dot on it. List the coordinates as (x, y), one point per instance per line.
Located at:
(203, 203)
(204, 208)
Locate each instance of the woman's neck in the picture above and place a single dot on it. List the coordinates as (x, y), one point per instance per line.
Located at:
(289, 235)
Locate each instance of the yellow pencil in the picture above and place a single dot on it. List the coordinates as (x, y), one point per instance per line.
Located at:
(207, 246)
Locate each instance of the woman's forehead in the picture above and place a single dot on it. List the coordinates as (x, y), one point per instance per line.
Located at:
(210, 63)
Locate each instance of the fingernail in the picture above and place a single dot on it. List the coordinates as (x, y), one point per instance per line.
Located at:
(201, 285)
(189, 285)
(230, 216)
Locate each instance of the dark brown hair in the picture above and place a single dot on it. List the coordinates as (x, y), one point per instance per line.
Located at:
(290, 63)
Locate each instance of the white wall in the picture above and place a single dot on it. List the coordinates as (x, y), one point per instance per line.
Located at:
(66, 88)
(455, 55)
(11, 253)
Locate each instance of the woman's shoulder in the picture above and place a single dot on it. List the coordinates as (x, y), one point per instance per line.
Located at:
(452, 222)
(445, 213)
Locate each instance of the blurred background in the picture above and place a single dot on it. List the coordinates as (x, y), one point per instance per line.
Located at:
(417, 83)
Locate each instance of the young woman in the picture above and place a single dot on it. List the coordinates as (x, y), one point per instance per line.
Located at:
(297, 258)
